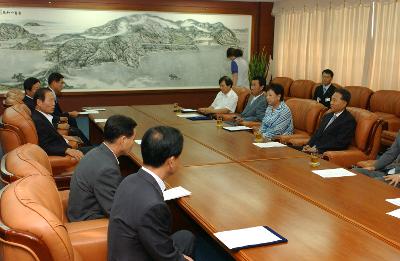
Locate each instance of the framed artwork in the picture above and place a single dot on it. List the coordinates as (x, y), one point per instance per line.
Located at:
(119, 50)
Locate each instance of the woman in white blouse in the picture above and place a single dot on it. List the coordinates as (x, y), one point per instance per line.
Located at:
(226, 99)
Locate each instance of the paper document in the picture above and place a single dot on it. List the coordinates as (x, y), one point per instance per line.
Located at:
(88, 112)
(333, 173)
(237, 128)
(394, 213)
(176, 192)
(188, 115)
(247, 237)
(100, 120)
(138, 141)
(394, 201)
(272, 144)
(188, 110)
(93, 109)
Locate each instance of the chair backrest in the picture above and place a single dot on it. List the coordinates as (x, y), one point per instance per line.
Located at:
(285, 82)
(19, 116)
(366, 124)
(10, 137)
(360, 96)
(301, 89)
(318, 84)
(243, 94)
(305, 113)
(31, 208)
(18, 163)
(386, 101)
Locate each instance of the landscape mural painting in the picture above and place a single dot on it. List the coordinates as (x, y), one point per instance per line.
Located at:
(114, 50)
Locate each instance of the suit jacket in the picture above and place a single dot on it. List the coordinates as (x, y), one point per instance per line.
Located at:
(140, 222)
(319, 93)
(93, 185)
(29, 102)
(255, 111)
(337, 136)
(391, 158)
(49, 139)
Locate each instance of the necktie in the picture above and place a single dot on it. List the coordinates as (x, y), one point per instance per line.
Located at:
(330, 121)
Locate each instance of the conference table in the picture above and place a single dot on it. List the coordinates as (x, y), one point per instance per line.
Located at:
(235, 184)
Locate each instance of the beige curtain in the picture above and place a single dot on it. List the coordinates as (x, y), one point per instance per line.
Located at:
(385, 61)
(311, 38)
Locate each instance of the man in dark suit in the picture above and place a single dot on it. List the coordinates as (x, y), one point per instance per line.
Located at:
(56, 84)
(31, 85)
(49, 139)
(337, 128)
(140, 220)
(257, 104)
(97, 176)
(324, 92)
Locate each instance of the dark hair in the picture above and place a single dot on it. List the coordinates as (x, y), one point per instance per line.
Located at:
(328, 71)
(160, 143)
(227, 81)
(346, 95)
(117, 126)
(234, 52)
(260, 79)
(28, 83)
(40, 95)
(277, 89)
(55, 76)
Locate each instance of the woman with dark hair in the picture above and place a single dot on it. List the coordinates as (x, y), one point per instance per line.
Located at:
(225, 101)
(239, 67)
(278, 117)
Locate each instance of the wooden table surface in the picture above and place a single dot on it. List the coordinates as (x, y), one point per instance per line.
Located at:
(235, 184)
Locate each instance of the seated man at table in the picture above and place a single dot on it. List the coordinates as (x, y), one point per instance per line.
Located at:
(53, 143)
(56, 84)
(97, 176)
(225, 101)
(387, 166)
(31, 85)
(257, 104)
(278, 117)
(323, 93)
(337, 127)
(140, 220)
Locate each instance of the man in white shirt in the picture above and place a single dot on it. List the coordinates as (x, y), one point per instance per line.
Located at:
(226, 99)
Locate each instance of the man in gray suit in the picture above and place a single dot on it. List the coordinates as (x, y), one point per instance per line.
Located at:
(257, 104)
(387, 167)
(140, 220)
(98, 175)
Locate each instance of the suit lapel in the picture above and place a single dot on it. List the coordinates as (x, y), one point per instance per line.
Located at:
(46, 121)
(146, 176)
(336, 121)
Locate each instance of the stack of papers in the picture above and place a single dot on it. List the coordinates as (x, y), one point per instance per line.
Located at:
(188, 110)
(176, 192)
(138, 142)
(93, 109)
(100, 120)
(189, 115)
(394, 213)
(394, 201)
(272, 144)
(237, 128)
(88, 112)
(333, 173)
(249, 237)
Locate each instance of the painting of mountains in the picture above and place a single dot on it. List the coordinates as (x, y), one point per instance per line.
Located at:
(110, 50)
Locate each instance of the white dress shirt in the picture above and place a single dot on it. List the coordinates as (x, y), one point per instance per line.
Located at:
(225, 101)
(157, 178)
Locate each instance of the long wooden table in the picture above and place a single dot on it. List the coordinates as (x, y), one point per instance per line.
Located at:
(235, 184)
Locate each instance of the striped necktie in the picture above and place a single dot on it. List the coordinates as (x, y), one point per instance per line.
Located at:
(330, 121)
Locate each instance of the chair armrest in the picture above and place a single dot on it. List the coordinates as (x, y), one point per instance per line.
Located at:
(345, 158)
(60, 164)
(89, 238)
(251, 124)
(286, 138)
(298, 141)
